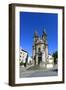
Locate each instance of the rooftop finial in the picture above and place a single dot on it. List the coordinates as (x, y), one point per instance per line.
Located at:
(44, 31)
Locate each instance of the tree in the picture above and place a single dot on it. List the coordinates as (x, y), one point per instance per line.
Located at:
(55, 55)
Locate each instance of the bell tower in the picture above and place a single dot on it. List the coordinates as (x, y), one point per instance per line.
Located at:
(35, 36)
(44, 37)
(34, 46)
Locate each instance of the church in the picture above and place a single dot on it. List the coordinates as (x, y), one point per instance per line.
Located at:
(40, 51)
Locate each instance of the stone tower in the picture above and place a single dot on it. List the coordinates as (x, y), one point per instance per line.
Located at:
(44, 37)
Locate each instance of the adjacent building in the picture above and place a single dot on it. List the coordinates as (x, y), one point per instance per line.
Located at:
(23, 56)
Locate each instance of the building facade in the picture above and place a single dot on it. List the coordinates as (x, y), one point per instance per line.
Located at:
(23, 56)
(40, 49)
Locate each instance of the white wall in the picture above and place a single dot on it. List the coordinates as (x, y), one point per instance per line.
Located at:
(4, 45)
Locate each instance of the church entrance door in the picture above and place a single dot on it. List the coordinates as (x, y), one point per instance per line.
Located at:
(39, 58)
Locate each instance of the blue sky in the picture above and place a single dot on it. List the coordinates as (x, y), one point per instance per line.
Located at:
(31, 22)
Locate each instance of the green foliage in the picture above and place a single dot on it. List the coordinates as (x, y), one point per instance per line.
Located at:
(21, 63)
(55, 55)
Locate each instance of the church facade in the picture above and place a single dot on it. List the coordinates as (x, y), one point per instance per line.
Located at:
(40, 50)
